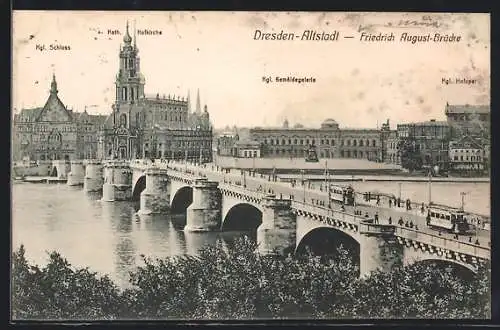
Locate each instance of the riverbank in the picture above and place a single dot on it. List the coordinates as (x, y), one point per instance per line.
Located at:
(381, 178)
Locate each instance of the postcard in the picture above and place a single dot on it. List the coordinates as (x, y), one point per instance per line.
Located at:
(178, 165)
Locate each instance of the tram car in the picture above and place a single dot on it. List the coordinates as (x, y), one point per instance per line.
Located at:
(342, 194)
(447, 218)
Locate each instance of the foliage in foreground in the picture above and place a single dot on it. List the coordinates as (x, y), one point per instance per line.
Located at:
(237, 283)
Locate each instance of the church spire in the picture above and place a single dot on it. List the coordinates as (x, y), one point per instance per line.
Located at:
(189, 101)
(198, 105)
(135, 37)
(127, 38)
(53, 84)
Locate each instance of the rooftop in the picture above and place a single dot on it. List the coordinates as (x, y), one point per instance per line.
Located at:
(467, 108)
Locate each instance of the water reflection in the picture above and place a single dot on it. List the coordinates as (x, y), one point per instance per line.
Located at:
(109, 237)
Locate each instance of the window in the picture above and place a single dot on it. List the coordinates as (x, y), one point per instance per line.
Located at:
(374, 143)
(354, 143)
(333, 142)
(360, 143)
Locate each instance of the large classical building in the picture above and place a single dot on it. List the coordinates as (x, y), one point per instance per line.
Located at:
(54, 132)
(160, 127)
(329, 140)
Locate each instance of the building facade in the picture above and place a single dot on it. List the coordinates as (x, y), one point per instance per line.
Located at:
(54, 132)
(430, 140)
(247, 149)
(468, 120)
(329, 141)
(158, 126)
(226, 142)
(466, 156)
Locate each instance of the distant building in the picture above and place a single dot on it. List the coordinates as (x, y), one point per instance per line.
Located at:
(468, 120)
(53, 132)
(430, 139)
(158, 126)
(247, 149)
(466, 157)
(329, 140)
(392, 153)
(226, 143)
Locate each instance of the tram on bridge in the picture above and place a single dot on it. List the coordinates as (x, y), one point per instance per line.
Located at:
(342, 194)
(447, 218)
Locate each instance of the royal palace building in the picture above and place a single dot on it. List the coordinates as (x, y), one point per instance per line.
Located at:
(153, 127)
(329, 141)
(54, 132)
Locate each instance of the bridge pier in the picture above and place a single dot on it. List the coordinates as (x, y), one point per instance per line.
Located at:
(77, 174)
(155, 198)
(204, 213)
(379, 248)
(94, 178)
(62, 167)
(117, 182)
(277, 232)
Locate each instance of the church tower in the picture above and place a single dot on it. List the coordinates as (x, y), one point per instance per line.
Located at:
(129, 81)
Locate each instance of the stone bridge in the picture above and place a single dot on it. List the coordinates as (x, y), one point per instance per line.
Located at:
(212, 202)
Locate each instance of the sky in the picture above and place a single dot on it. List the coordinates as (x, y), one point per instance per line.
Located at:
(359, 84)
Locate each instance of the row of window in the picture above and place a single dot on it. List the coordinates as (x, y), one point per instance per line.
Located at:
(343, 154)
(176, 144)
(250, 153)
(467, 158)
(354, 143)
(464, 117)
(472, 151)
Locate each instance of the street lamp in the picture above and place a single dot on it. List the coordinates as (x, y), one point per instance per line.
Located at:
(303, 184)
(430, 187)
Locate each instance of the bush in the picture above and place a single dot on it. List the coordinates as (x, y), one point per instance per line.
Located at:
(237, 283)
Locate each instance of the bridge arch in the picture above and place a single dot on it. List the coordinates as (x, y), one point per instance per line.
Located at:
(181, 199)
(242, 217)
(461, 268)
(325, 240)
(138, 187)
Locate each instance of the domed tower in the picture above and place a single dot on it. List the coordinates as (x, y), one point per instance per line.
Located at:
(129, 81)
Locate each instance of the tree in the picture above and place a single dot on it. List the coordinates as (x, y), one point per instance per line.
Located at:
(235, 282)
(411, 157)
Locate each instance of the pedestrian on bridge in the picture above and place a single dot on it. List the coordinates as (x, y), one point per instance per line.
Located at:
(407, 224)
(477, 242)
(422, 209)
(378, 200)
(390, 203)
(400, 221)
(411, 224)
(390, 220)
(376, 218)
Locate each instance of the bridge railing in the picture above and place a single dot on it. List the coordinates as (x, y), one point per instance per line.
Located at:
(242, 190)
(444, 242)
(326, 212)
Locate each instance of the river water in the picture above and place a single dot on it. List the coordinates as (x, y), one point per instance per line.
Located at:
(110, 238)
